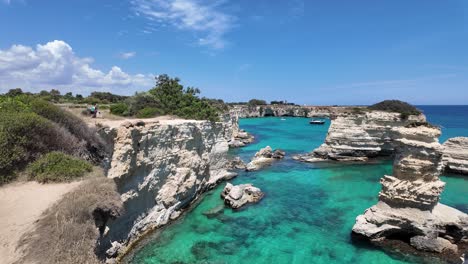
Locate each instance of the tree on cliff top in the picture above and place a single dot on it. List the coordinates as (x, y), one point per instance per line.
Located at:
(396, 106)
(257, 102)
(174, 99)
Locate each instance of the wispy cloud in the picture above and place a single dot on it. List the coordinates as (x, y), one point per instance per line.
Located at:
(207, 20)
(127, 55)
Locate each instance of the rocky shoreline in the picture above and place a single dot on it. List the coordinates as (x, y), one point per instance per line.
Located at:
(161, 168)
(408, 208)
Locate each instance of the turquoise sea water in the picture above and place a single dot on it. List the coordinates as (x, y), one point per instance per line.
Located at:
(305, 217)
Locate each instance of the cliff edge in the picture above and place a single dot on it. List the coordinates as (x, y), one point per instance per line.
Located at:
(161, 167)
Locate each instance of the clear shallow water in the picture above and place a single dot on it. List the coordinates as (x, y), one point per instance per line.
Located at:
(305, 217)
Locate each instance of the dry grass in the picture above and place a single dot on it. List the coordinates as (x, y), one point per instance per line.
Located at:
(67, 232)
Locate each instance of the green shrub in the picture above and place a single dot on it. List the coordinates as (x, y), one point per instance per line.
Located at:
(396, 106)
(58, 167)
(31, 127)
(120, 109)
(25, 136)
(148, 112)
(75, 125)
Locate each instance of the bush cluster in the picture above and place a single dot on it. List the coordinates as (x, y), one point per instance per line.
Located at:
(396, 106)
(58, 167)
(31, 127)
(169, 97)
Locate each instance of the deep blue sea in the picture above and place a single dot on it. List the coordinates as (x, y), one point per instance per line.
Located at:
(308, 211)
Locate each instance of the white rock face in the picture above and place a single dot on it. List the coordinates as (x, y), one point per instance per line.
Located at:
(456, 155)
(237, 137)
(161, 167)
(244, 111)
(409, 200)
(264, 157)
(359, 136)
(236, 196)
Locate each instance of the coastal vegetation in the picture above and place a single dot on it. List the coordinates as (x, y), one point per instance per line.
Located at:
(55, 96)
(58, 167)
(397, 106)
(169, 97)
(31, 127)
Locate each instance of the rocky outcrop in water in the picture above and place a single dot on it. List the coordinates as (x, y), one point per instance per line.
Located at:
(408, 207)
(360, 135)
(456, 155)
(236, 137)
(264, 157)
(161, 168)
(236, 196)
(241, 139)
(236, 164)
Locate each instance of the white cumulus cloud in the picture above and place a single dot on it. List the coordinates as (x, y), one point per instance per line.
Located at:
(204, 18)
(55, 65)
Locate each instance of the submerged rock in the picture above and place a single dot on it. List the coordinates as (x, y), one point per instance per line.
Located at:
(264, 157)
(455, 155)
(213, 212)
(236, 196)
(408, 206)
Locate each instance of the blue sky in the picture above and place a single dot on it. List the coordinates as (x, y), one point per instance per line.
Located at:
(308, 52)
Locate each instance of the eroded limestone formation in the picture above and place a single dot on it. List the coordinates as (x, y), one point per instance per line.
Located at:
(408, 206)
(456, 155)
(237, 137)
(357, 136)
(236, 196)
(264, 157)
(161, 168)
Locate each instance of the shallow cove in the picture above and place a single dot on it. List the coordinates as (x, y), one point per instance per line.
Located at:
(305, 217)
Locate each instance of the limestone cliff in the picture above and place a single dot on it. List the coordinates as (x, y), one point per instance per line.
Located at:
(160, 168)
(408, 206)
(455, 156)
(236, 137)
(357, 136)
(245, 111)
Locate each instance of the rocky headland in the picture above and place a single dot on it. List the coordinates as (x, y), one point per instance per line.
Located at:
(360, 135)
(408, 209)
(160, 168)
(455, 156)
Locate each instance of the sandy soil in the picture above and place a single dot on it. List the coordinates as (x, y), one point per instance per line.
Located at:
(21, 204)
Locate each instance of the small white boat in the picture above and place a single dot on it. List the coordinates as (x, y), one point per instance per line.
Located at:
(317, 122)
(283, 119)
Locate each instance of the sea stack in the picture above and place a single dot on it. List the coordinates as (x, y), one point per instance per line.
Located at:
(456, 155)
(408, 207)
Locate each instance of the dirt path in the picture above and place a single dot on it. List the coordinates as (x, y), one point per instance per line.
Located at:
(21, 204)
